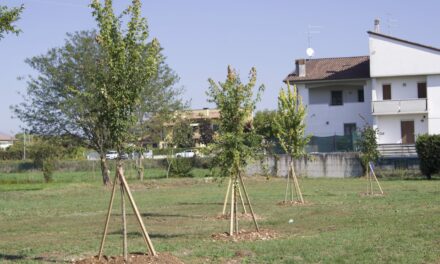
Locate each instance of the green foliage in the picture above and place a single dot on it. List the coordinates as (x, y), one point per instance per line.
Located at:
(367, 145)
(7, 18)
(264, 124)
(237, 141)
(182, 134)
(428, 150)
(206, 131)
(128, 62)
(45, 154)
(181, 167)
(290, 122)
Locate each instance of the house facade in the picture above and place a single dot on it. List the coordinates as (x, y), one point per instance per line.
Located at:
(6, 141)
(396, 88)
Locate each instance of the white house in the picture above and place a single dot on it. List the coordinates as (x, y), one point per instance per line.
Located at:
(6, 141)
(396, 89)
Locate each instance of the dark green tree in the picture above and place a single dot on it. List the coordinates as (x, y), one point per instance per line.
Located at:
(8, 16)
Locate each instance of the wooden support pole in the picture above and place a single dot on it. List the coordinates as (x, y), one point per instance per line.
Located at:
(298, 189)
(249, 202)
(138, 216)
(287, 186)
(242, 201)
(231, 225)
(108, 216)
(235, 206)
(374, 175)
(291, 189)
(124, 225)
(226, 196)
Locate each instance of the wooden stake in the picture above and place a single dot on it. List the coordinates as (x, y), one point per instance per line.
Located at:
(235, 206)
(292, 184)
(249, 202)
(226, 196)
(138, 216)
(124, 224)
(374, 175)
(287, 186)
(298, 189)
(241, 198)
(108, 216)
(231, 226)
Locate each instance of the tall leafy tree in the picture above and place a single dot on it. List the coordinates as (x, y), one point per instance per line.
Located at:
(64, 98)
(236, 142)
(8, 16)
(290, 128)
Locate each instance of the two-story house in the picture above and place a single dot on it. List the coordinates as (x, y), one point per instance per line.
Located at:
(396, 89)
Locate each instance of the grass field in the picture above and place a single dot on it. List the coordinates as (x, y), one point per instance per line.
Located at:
(63, 220)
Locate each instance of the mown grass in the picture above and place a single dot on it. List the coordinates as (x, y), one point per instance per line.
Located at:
(63, 220)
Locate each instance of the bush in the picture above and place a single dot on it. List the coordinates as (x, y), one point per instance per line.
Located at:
(180, 167)
(428, 149)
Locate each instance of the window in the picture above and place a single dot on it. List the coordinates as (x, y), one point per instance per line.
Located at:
(421, 90)
(349, 129)
(386, 89)
(361, 95)
(336, 98)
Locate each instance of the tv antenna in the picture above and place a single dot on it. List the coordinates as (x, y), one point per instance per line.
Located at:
(310, 31)
(391, 23)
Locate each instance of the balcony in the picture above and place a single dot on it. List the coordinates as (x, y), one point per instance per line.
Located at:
(396, 107)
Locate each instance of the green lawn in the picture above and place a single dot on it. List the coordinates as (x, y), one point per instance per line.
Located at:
(63, 220)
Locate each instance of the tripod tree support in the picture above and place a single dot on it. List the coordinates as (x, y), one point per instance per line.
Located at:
(372, 175)
(125, 190)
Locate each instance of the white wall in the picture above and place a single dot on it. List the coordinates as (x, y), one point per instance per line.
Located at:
(390, 129)
(319, 114)
(402, 88)
(394, 58)
(433, 91)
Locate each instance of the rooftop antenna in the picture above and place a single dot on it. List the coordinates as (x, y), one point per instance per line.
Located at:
(311, 30)
(391, 23)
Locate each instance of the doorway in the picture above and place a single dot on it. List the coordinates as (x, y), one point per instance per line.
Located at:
(407, 128)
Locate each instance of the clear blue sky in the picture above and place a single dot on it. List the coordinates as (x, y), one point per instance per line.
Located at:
(202, 37)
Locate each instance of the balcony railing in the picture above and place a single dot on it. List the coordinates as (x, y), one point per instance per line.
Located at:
(409, 106)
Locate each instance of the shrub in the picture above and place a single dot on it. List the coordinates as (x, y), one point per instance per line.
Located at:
(428, 150)
(180, 167)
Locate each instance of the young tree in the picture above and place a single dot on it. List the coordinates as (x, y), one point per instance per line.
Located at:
(7, 18)
(367, 144)
(290, 129)
(127, 63)
(236, 142)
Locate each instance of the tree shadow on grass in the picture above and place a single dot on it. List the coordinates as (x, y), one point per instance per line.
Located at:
(199, 203)
(8, 257)
(169, 215)
(152, 235)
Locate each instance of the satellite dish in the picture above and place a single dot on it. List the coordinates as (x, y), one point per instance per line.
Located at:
(310, 52)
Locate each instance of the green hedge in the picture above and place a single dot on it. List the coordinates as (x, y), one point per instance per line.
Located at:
(8, 166)
(428, 150)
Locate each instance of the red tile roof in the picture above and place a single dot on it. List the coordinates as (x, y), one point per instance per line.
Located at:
(334, 69)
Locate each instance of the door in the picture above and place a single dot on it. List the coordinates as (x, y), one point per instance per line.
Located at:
(407, 128)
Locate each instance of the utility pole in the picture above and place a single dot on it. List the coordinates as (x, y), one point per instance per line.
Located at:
(24, 145)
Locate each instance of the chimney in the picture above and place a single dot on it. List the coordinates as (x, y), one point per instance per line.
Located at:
(377, 25)
(301, 67)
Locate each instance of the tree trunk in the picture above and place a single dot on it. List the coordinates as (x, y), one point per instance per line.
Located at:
(105, 171)
(140, 167)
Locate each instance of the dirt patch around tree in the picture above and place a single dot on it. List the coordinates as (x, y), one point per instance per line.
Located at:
(161, 258)
(243, 235)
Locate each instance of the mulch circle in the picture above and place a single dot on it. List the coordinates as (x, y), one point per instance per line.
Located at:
(161, 258)
(243, 235)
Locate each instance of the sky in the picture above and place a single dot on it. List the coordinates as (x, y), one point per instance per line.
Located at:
(201, 38)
